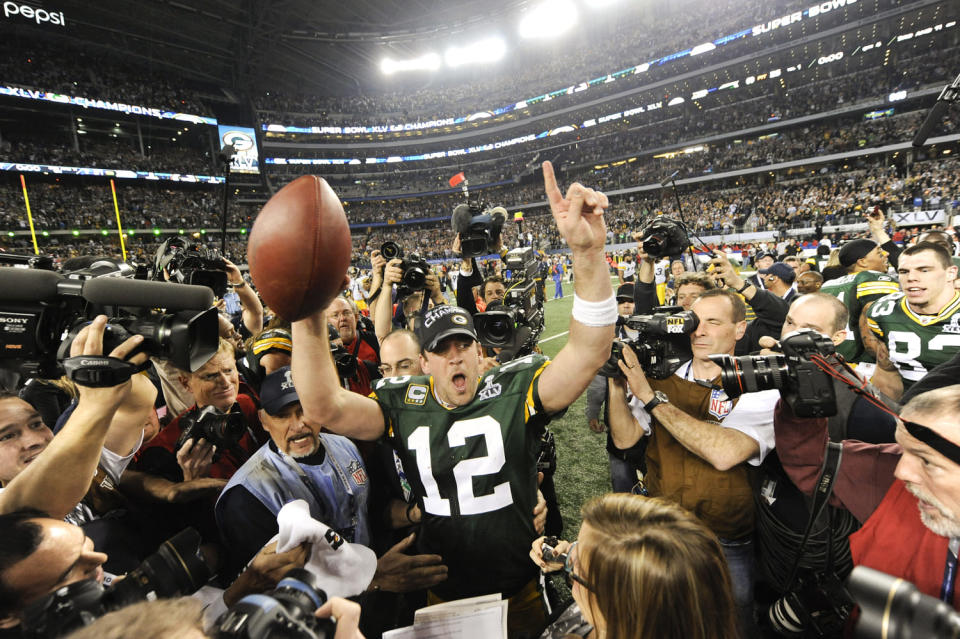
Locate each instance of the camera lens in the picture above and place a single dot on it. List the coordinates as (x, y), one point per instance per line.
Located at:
(749, 374)
(785, 615)
(415, 278)
(390, 250)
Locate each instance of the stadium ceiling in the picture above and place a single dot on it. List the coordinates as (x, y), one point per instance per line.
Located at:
(304, 45)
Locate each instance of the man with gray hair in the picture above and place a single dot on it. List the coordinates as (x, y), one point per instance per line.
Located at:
(906, 494)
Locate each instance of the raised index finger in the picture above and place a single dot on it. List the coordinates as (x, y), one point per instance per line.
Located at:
(550, 184)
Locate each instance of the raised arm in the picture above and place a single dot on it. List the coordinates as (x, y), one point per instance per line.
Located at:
(249, 302)
(324, 401)
(579, 218)
(383, 317)
(59, 477)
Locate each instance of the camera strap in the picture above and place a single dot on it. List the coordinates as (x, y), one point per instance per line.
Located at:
(97, 371)
(821, 495)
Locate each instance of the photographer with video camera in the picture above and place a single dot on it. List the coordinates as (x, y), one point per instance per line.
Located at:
(703, 446)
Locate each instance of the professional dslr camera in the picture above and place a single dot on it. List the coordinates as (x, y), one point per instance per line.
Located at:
(515, 324)
(41, 312)
(285, 612)
(191, 263)
(415, 269)
(817, 606)
(662, 344)
(801, 379)
(209, 423)
(664, 236)
(479, 228)
(177, 568)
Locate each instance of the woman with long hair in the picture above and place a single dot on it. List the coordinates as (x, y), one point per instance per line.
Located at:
(642, 568)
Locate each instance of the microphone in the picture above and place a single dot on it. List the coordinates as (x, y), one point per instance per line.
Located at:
(27, 285)
(123, 292)
(667, 180)
(949, 95)
(460, 219)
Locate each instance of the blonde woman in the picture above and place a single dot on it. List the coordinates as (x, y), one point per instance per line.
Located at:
(642, 568)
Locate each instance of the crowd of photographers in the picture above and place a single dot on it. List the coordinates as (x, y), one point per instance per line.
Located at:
(731, 406)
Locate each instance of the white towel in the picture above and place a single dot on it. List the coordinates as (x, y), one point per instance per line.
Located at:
(342, 569)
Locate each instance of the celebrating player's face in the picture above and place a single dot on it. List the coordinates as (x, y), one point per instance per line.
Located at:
(926, 283)
(455, 366)
(289, 432)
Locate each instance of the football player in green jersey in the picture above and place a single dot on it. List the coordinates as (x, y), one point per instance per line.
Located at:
(468, 444)
(865, 282)
(919, 327)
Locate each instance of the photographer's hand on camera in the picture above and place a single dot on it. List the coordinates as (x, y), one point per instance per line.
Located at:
(724, 269)
(536, 553)
(195, 458)
(57, 479)
(400, 572)
(433, 286)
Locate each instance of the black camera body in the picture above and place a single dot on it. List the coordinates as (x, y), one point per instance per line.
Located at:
(415, 269)
(662, 344)
(209, 423)
(191, 263)
(817, 606)
(42, 311)
(285, 612)
(516, 323)
(177, 568)
(802, 382)
(664, 236)
(479, 228)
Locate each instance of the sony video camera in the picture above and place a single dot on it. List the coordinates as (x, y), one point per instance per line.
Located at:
(663, 237)
(802, 383)
(42, 311)
(191, 263)
(515, 324)
(662, 344)
(177, 568)
(286, 611)
(479, 228)
(415, 269)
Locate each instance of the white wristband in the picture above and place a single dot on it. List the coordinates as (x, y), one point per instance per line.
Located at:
(602, 313)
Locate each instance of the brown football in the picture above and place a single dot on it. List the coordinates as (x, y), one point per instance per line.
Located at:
(299, 248)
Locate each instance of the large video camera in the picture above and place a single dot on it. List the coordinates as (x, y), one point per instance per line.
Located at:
(515, 324)
(894, 609)
(802, 382)
(286, 611)
(41, 312)
(479, 228)
(177, 568)
(191, 263)
(663, 237)
(662, 344)
(415, 269)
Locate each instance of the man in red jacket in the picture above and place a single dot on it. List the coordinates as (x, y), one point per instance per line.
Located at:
(907, 494)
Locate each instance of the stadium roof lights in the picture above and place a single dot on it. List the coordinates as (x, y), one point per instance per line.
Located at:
(548, 19)
(487, 50)
(427, 62)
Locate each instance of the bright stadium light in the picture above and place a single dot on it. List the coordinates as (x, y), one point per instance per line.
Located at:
(703, 48)
(486, 50)
(548, 19)
(427, 62)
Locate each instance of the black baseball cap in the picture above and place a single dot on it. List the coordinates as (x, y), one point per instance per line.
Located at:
(440, 322)
(277, 391)
(625, 292)
(764, 254)
(854, 250)
(782, 270)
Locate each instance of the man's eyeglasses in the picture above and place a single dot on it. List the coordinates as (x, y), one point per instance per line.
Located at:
(403, 367)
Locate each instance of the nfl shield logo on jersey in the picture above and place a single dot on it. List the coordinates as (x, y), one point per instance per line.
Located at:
(953, 326)
(358, 472)
(720, 405)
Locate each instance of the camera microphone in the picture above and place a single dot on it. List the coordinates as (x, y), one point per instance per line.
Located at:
(28, 285)
(460, 219)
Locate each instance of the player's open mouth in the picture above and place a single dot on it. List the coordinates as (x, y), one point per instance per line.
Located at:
(460, 382)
